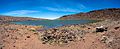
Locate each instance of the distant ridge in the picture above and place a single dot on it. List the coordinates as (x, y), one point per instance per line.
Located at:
(109, 13)
(13, 18)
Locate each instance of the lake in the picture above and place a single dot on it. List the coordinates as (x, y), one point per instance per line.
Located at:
(53, 23)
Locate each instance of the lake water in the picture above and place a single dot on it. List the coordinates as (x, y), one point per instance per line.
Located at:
(53, 23)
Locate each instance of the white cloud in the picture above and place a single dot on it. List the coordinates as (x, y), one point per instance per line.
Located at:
(20, 12)
(62, 9)
(81, 6)
(71, 8)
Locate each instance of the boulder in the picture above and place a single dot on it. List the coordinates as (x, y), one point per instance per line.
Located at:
(101, 29)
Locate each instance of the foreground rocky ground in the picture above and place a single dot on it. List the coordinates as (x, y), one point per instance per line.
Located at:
(78, 36)
(85, 36)
(14, 36)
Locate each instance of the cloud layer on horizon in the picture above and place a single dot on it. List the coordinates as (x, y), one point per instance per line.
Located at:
(20, 12)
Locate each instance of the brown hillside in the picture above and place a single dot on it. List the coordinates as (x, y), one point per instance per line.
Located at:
(111, 13)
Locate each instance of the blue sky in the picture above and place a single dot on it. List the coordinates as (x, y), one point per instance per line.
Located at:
(52, 9)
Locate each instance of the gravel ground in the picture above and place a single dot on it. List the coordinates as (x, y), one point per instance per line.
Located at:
(77, 36)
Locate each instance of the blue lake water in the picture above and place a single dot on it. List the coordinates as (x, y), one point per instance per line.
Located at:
(53, 23)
